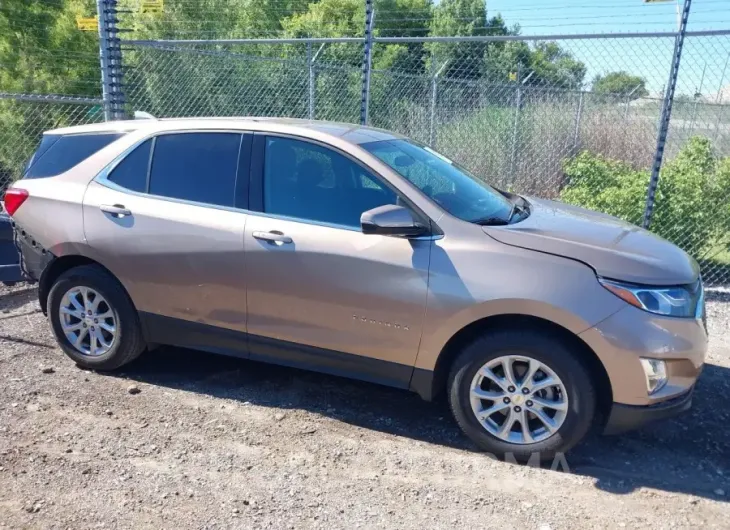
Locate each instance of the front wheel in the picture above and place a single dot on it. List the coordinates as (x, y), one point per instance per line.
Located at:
(521, 394)
(93, 319)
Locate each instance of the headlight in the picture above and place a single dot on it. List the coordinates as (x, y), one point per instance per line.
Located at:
(670, 301)
(656, 374)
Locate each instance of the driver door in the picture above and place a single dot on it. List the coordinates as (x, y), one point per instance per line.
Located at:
(321, 294)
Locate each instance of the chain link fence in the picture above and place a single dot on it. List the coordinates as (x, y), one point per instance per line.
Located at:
(24, 118)
(693, 203)
(571, 118)
(535, 116)
(298, 81)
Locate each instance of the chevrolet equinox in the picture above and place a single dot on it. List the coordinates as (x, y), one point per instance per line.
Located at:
(358, 252)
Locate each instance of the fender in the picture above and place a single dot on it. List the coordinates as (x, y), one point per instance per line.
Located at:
(433, 343)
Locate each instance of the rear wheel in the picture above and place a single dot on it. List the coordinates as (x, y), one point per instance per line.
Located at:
(521, 394)
(93, 319)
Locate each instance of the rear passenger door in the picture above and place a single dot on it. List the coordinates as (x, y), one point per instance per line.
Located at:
(168, 221)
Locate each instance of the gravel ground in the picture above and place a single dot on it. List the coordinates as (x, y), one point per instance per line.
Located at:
(182, 439)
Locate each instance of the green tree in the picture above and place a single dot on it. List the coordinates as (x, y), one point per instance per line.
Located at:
(346, 18)
(549, 64)
(691, 207)
(555, 66)
(43, 51)
(621, 83)
(463, 18)
(331, 18)
(216, 19)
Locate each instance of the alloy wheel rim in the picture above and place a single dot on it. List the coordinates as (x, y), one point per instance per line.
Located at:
(518, 399)
(88, 321)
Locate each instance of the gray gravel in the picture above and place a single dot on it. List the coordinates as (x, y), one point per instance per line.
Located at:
(182, 439)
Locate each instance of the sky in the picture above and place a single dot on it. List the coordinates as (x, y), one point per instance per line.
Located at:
(600, 16)
(704, 58)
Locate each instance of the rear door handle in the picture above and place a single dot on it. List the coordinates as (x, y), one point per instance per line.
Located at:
(272, 237)
(117, 210)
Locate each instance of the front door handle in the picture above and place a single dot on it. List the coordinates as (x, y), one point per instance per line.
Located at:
(272, 237)
(117, 210)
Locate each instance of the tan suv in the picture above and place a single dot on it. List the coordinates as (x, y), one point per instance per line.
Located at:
(358, 252)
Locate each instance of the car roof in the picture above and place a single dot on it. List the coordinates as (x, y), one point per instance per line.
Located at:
(356, 134)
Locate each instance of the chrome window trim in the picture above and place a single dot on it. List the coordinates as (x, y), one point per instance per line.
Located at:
(116, 187)
(102, 176)
(347, 228)
(102, 179)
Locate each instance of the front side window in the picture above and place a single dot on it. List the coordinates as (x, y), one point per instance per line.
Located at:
(199, 167)
(450, 186)
(310, 182)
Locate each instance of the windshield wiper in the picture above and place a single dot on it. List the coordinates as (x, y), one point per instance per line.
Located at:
(491, 221)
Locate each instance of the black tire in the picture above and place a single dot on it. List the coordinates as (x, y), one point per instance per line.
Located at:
(129, 343)
(542, 347)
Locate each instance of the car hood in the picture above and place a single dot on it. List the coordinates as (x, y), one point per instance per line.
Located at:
(614, 248)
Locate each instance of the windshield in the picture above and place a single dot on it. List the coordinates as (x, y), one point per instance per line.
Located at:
(450, 186)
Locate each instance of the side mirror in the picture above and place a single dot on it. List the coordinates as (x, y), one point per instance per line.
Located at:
(391, 220)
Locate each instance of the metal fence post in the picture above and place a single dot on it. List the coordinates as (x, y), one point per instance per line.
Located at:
(104, 59)
(578, 119)
(697, 95)
(628, 101)
(515, 131)
(666, 116)
(516, 124)
(434, 94)
(719, 97)
(110, 56)
(367, 62)
(311, 60)
(310, 67)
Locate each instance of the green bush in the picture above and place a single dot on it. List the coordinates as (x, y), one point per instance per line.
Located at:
(692, 206)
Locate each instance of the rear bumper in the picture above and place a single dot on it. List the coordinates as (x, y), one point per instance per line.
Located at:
(628, 417)
(34, 258)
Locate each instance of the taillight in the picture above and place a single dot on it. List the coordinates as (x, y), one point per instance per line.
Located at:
(14, 197)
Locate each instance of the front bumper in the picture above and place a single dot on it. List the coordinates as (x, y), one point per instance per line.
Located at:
(623, 339)
(629, 417)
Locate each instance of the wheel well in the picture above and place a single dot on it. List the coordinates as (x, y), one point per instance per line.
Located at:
(57, 267)
(521, 322)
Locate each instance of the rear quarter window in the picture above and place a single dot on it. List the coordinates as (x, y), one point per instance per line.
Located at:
(131, 172)
(58, 154)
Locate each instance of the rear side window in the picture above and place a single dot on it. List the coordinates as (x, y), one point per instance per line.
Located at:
(46, 141)
(198, 167)
(131, 173)
(58, 154)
